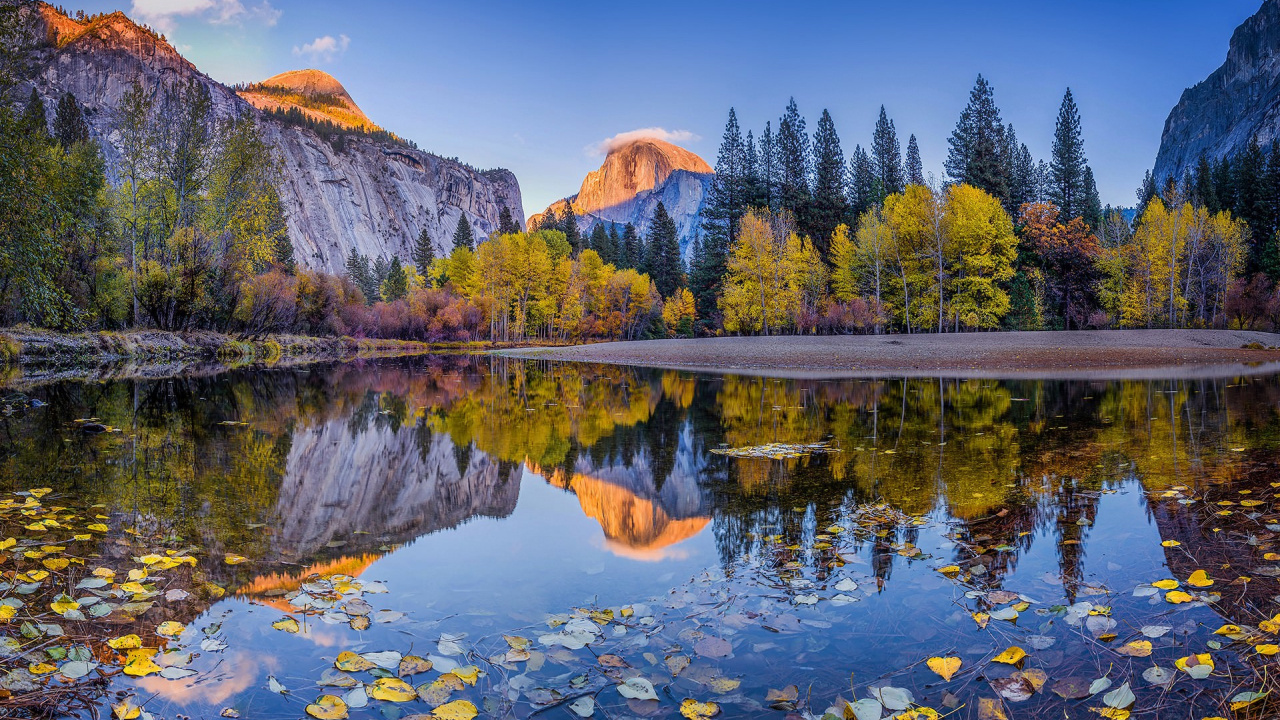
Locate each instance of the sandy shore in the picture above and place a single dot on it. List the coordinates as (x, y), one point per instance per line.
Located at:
(1084, 354)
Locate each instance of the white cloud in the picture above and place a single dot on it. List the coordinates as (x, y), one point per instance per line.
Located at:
(163, 14)
(617, 141)
(324, 49)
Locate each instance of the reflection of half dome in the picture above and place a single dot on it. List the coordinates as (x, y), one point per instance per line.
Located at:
(634, 527)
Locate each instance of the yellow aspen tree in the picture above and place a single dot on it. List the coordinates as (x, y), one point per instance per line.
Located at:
(844, 274)
(981, 248)
(871, 260)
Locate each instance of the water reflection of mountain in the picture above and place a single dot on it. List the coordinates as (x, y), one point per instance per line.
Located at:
(388, 484)
(642, 513)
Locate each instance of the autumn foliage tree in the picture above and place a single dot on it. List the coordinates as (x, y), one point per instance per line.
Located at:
(1068, 254)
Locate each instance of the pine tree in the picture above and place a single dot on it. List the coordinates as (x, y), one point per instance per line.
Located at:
(1092, 201)
(727, 200)
(1067, 187)
(506, 223)
(768, 169)
(830, 205)
(915, 167)
(1252, 205)
(424, 253)
(977, 152)
(34, 120)
(69, 126)
(886, 159)
(396, 284)
(615, 242)
(754, 188)
(1024, 182)
(662, 259)
(284, 254)
(548, 221)
(360, 273)
(632, 250)
(793, 164)
(862, 184)
(569, 225)
(462, 235)
(600, 242)
(1203, 193)
(1146, 193)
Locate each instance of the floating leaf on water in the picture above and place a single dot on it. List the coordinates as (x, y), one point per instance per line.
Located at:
(388, 660)
(866, 709)
(1155, 631)
(125, 710)
(991, 709)
(327, 707)
(412, 665)
(695, 710)
(1137, 648)
(1122, 698)
(1268, 649)
(1157, 675)
(170, 629)
(944, 666)
(893, 698)
(1197, 666)
(722, 686)
(1012, 656)
(1169, 584)
(456, 710)
(1177, 597)
(637, 689)
(1245, 699)
(713, 647)
(348, 661)
(274, 686)
(140, 663)
(583, 706)
(981, 619)
(392, 690)
(676, 663)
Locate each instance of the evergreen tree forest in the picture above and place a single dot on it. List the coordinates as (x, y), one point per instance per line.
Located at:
(802, 232)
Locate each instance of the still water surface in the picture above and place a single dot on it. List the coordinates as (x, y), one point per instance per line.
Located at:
(952, 518)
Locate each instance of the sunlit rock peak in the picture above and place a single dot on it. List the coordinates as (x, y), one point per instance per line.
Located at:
(314, 93)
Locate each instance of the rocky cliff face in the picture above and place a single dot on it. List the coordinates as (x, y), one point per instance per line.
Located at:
(1239, 101)
(634, 178)
(372, 196)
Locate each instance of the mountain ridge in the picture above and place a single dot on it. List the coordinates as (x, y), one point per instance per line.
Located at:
(1239, 101)
(370, 196)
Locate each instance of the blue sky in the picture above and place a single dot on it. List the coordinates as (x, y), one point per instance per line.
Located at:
(536, 86)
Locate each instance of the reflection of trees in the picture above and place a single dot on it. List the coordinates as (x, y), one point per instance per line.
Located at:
(399, 448)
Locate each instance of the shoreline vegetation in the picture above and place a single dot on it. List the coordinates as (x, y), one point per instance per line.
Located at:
(1061, 354)
(44, 354)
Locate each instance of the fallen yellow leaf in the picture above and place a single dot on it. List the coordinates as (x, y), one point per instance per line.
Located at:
(1199, 578)
(944, 666)
(695, 710)
(327, 707)
(1012, 656)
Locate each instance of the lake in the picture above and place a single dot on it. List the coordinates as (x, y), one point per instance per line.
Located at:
(560, 540)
